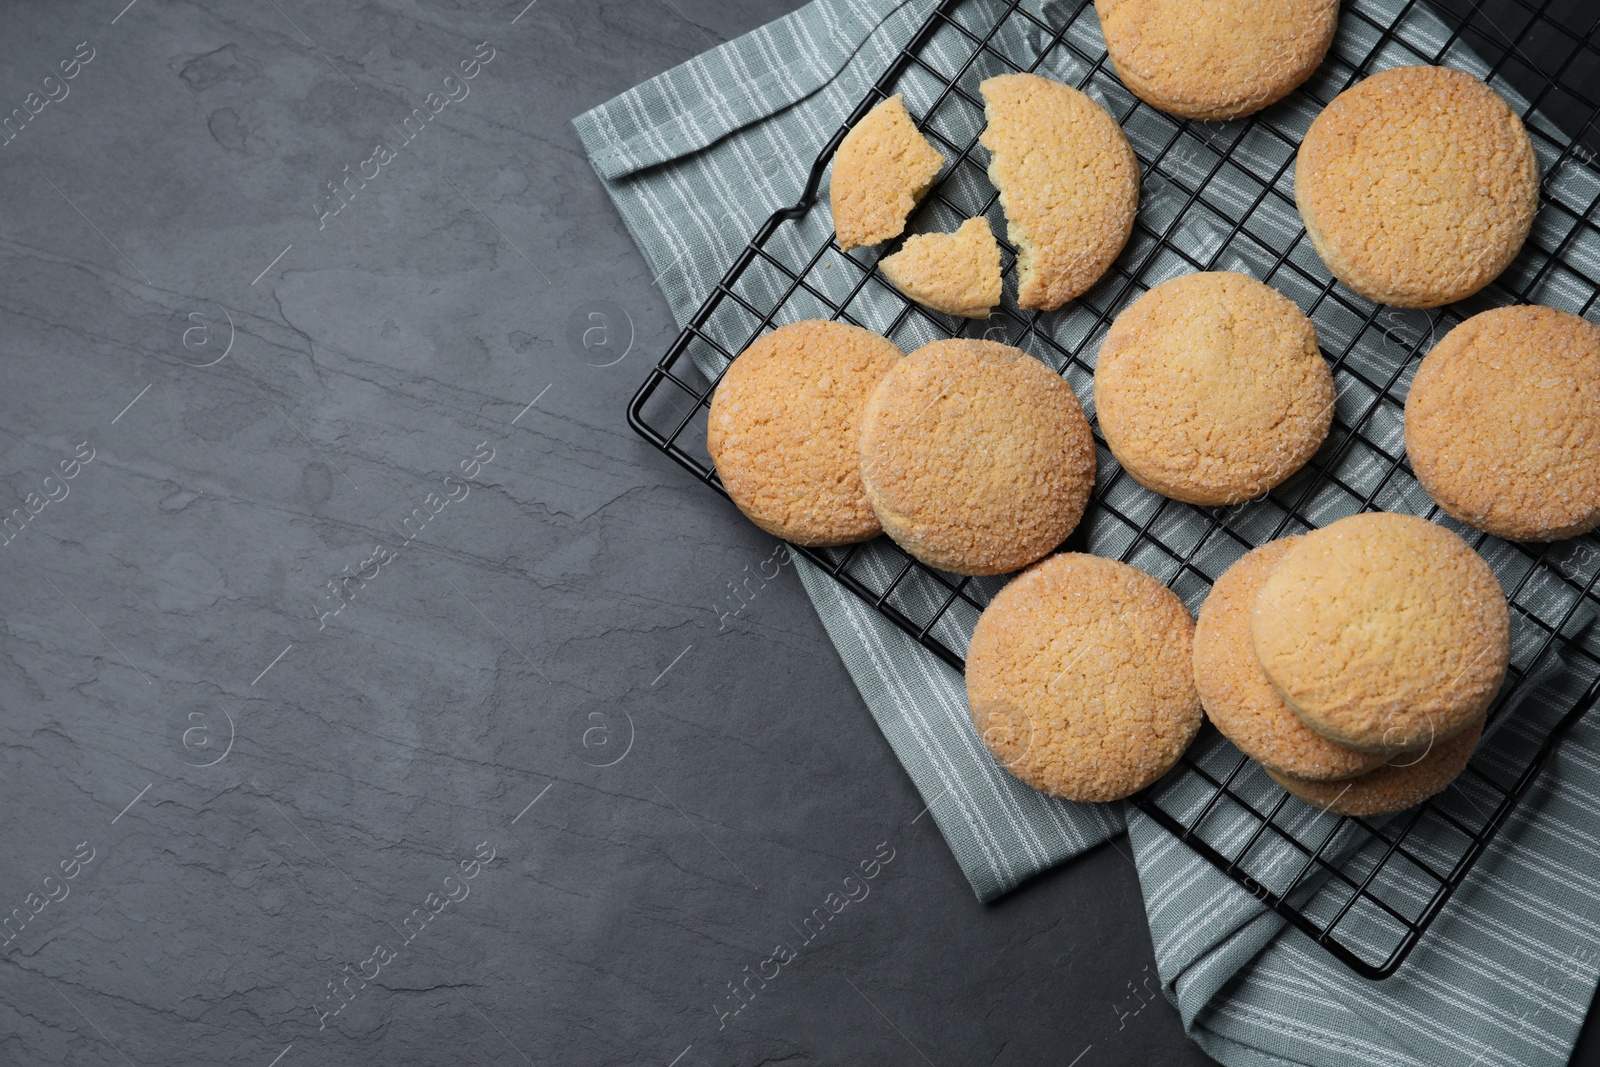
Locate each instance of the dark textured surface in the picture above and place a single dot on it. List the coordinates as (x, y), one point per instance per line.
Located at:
(269, 788)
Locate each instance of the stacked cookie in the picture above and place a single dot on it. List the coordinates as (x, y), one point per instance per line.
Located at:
(1356, 664)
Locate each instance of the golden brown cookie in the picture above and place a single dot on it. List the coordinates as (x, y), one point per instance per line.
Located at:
(956, 273)
(1404, 782)
(1079, 678)
(782, 430)
(1068, 181)
(1223, 61)
(1503, 423)
(1383, 632)
(1417, 186)
(1237, 696)
(1210, 389)
(976, 457)
(881, 169)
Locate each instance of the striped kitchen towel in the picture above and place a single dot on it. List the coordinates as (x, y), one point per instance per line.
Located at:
(697, 158)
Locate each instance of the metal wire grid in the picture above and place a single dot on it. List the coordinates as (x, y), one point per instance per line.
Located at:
(1216, 196)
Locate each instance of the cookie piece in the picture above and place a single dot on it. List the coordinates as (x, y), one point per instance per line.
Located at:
(956, 273)
(1503, 423)
(782, 430)
(1417, 186)
(1079, 678)
(1210, 389)
(1235, 59)
(976, 457)
(1383, 632)
(1068, 181)
(881, 169)
(1236, 694)
(1404, 782)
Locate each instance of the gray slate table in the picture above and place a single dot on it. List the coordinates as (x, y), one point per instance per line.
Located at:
(371, 695)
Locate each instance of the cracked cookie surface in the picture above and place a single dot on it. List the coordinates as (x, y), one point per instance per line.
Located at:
(1417, 186)
(1210, 388)
(956, 273)
(782, 430)
(977, 458)
(1068, 181)
(1503, 423)
(1079, 678)
(1231, 59)
(881, 169)
(1383, 632)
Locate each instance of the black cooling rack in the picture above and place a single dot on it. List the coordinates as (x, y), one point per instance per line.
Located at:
(1220, 196)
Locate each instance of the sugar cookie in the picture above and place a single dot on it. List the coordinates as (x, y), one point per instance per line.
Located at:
(1237, 697)
(1383, 632)
(956, 273)
(1210, 388)
(976, 457)
(1229, 59)
(783, 426)
(881, 169)
(1404, 782)
(1417, 186)
(1068, 181)
(1503, 423)
(1079, 678)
